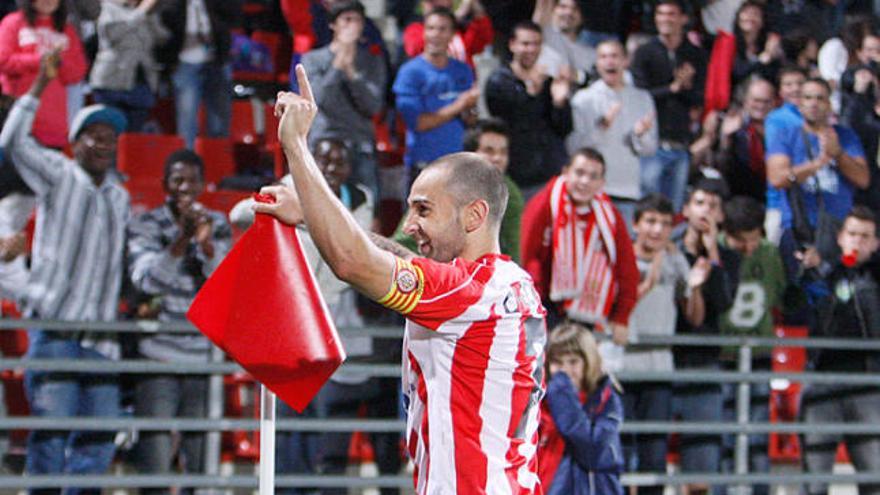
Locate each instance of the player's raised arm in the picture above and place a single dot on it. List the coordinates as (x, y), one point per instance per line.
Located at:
(342, 243)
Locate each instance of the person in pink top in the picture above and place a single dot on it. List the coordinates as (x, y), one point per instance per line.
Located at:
(38, 27)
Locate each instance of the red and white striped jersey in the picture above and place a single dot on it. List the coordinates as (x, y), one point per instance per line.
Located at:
(472, 374)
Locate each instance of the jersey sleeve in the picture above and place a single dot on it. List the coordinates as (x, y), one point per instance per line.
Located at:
(430, 293)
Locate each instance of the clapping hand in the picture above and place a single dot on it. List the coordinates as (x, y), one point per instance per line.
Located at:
(829, 144)
(699, 273)
(560, 88)
(644, 124)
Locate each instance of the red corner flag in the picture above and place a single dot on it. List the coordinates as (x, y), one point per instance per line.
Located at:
(262, 306)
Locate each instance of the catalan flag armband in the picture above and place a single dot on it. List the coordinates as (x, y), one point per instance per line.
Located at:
(406, 290)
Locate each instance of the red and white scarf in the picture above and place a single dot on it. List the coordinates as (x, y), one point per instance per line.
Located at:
(584, 254)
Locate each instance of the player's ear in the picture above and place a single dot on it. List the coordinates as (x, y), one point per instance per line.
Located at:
(476, 214)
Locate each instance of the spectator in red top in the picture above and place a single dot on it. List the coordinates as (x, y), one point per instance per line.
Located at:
(39, 27)
(571, 232)
(474, 33)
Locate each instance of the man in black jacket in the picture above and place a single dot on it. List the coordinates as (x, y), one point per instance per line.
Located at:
(674, 72)
(198, 50)
(535, 106)
(850, 310)
(703, 401)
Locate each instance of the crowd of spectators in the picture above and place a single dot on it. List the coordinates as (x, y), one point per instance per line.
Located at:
(674, 167)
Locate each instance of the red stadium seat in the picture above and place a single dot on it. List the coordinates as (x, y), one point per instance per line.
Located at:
(146, 194)
(142, 156)
(219, 157)
(242, 401)
(14, 343)
(279, 160)
(223, 200)
(164, 114)
(784, 402)
(242, 127)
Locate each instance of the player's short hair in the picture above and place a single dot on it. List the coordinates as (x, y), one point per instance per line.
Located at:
(656, 203)
(492, 125)
(742, 214)
(470, 177)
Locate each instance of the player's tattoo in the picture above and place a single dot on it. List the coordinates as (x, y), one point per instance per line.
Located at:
(391, 246)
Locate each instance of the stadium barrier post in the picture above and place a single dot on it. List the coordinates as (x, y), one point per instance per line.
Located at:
(267, 441)
(743, 402)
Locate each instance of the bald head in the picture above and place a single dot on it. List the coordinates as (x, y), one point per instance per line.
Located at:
(469, 177)
(759, 99)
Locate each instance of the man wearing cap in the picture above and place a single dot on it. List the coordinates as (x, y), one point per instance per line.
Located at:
(76, 273)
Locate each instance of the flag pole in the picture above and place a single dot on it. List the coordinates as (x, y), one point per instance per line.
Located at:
(267, 441)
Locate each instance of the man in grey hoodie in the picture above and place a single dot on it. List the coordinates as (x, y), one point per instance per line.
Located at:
(349, 83)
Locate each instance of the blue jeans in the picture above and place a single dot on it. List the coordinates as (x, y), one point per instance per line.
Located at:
(627, 209)
(593, 38)
(666, 173)
(700, 453)
(54, 394)
(170, 396)
(365, 168)
(195, 83)
(824, 403)
(647, 453)
(134, 103)
(759, 412)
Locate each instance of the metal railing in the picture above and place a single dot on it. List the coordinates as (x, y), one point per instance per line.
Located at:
(216, 423)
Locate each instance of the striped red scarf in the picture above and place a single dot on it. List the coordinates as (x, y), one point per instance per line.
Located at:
(584, 254)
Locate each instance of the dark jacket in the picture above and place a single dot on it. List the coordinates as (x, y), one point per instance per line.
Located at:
(593, 458)
(734, 164)
(718, 293)
(223, 15)
(653, 69)
(850, 310)
(858, 112)
(537, 128)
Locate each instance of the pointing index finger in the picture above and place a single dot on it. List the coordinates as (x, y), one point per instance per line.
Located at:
(305, 88)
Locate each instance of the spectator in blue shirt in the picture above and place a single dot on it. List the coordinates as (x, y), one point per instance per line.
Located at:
(435, 96)
(790, 79)
(825, 161)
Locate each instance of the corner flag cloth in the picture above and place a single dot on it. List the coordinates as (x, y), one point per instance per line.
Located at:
(263, 308)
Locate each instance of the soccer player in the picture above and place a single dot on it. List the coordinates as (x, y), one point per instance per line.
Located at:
(473, 349)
